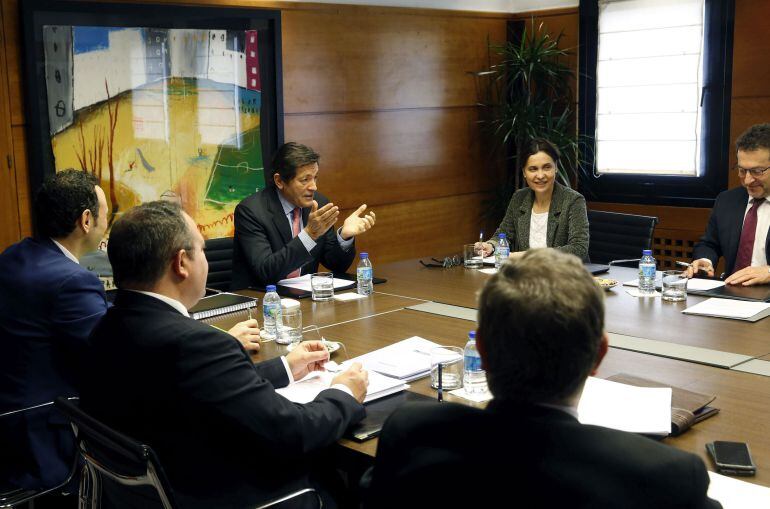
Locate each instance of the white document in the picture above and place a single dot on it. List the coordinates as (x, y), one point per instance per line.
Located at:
(488, 271)
(737, 494)
(730, 308)
(408, 359)
(490, 260)
(626, 407)
(703, 285)
(634, 292)
(695, 284)
(306, 390)
(303, 283)
(344, 297)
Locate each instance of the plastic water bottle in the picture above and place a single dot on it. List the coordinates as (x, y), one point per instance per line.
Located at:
(474, 378)
(271, 312)
(647, 273)
(502, 250)
(364, 274)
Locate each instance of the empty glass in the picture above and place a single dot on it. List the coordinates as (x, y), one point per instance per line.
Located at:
(290, 331)
(674, 286)
(472, 256)
(451, 359)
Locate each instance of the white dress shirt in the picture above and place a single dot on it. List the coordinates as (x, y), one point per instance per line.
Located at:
(66, 252)
(309, 243)
(758, 256)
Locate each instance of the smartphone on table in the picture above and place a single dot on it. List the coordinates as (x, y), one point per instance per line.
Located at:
(732, 458)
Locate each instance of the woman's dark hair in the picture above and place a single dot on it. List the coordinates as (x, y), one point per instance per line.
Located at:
(536, 145)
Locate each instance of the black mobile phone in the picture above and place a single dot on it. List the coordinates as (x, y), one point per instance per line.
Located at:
(732, 458)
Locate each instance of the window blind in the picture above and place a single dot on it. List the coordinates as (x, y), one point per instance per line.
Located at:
(649, 78)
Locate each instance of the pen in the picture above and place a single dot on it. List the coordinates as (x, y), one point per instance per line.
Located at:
(683, 264)
(440, 388)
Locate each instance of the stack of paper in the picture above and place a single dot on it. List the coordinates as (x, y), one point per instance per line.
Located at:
(406, 360)
(306, 390)
(730, 308)
(625, 407)
(703, 285)
(736, 494)
(303, 283)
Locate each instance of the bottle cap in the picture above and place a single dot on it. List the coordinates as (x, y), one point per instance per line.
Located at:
(364, 255)
(647, 252)
(270, 288)
(501, 236)
(472, 334)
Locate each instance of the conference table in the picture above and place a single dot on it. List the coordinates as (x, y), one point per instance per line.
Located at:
(649, 338)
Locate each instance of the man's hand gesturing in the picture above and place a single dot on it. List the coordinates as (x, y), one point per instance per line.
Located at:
(320, 220)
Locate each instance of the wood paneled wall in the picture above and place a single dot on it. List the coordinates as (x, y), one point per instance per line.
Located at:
(384, 94)
(750, 104)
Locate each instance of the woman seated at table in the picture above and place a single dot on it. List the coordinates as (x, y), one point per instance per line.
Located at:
(544, 214)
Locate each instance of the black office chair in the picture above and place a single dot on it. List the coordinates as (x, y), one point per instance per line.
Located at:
(14, 497)
(219, 253)
(619, 238)
(119, 468)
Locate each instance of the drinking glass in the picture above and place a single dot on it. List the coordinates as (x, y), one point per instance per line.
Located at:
(472, 256)
(290, 332)
(322, 284)
(451, 359)
(674, 286)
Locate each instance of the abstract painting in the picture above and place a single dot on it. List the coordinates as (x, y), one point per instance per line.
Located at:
(158, 113)
(157, 100)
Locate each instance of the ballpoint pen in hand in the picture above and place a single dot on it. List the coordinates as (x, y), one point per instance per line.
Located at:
(683, 264)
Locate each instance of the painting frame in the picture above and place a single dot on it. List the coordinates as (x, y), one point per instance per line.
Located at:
(35, 14)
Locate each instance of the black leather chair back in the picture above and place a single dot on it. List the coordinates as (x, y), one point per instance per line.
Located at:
(616, 236)
(219, 253)
(119, 471)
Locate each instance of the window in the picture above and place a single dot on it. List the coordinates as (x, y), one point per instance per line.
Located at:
(654, 99)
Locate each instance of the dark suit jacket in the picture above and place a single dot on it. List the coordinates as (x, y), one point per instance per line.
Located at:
(264, 250)
(567, 221)
(723, 232)
(448, 455)
(48, 307)
(223, 435)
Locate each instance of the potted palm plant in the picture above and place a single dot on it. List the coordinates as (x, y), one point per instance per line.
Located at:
(525, 92)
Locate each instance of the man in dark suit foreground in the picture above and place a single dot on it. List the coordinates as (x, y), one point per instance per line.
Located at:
(739, 226)
(223, 435)
(48, 306)
(541, 333)
(286, 229)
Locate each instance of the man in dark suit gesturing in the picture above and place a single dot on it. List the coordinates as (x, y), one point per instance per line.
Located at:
(541, 333)
(222, 433)
(48, 306)
(740, 222)
(286, 229)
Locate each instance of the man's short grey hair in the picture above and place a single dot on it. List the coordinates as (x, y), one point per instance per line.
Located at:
(144, 241)
(541, 319)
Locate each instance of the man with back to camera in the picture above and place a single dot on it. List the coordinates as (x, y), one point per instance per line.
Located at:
(739, 223)
(224, 437)
(540, 334)
(48, 306)
(285, 230)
